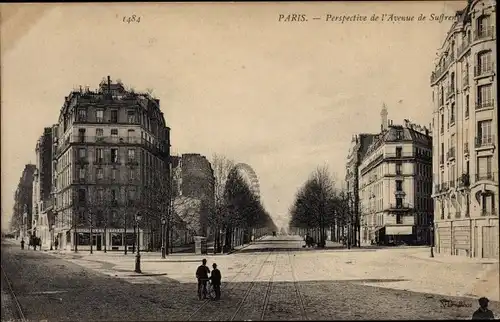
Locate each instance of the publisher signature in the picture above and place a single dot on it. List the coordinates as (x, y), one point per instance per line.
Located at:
(450, 303)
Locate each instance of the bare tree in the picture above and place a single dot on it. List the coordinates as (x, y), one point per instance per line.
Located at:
(221, 167)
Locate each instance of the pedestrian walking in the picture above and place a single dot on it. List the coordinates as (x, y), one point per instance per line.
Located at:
(202, 275)
(216, 278)
(483, 313)
(22, 243)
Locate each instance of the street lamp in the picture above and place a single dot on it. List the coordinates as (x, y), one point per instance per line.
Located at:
(163, 222)
(138, 255)
(52, 237)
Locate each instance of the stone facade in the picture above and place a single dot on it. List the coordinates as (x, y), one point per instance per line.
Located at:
(465, 140)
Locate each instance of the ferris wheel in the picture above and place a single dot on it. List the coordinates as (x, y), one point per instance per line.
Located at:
(249, 176)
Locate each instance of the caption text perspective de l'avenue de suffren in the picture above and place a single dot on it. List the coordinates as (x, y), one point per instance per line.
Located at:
(350, 18)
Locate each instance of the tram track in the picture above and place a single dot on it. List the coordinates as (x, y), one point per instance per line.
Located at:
(252, 284)
(296, 285)
(18, 311)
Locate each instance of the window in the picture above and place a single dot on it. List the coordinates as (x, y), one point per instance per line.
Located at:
(399, 152)
(81, 135)
(399, 185)
(442, 123)
(467, 106)
(114, 132)
(399, 219)
(487, 204)
(113, 195)
(484, 168)
(132, 174)
(467, 205)
(82, 115)
(452, 82)
(82, 153)
(452, 113)
(99, 173)
(484, 98)
(81, 173)
(100, 195)
(484, 132)
(98, 155)
(483, 27)
(116, 238)
(114, 155)
(441, 96)
(399, 135)
(82, 195)
(114, 174)
(452, 141)
(114, 116)
(398, 168)
(399, 203)
(484, 62)
(131, 117)
(99, 132)
(131, 155)
(99, 116)
(131, 194)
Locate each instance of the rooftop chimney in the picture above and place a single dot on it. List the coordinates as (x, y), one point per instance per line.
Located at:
(383, 115)
(109, 84)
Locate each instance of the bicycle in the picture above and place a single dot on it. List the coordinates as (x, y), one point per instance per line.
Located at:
(211, 291)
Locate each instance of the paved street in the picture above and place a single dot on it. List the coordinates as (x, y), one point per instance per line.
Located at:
(272, 279)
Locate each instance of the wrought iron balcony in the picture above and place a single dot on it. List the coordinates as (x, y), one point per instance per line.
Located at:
(488, 176)
(492, 212)
(486, 33)
(484, 141)
(399, 206)
(485, 104)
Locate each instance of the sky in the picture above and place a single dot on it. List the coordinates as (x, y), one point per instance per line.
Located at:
(283, 97)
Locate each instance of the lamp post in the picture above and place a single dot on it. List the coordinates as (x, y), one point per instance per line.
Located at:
(431, 230)
(163, 222)
(138, 254)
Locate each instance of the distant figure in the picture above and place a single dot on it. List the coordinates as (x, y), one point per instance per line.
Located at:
(202, 276)
(483, 313)
(56, 243)
(216, 278)
(22, 243)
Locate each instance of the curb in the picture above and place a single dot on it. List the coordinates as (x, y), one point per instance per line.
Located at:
(245, 246)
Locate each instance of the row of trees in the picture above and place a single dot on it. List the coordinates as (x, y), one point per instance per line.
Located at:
(163, 210)
(319, 205)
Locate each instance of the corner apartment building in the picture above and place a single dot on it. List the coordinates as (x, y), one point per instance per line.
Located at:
(42, 189)
(465, 141)
(110, 145)
(395, 185)
(357, 151)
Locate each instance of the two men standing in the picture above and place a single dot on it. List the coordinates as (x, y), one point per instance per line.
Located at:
(202, 273)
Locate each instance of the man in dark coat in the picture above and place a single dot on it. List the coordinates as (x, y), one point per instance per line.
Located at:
(202, 276)
(483, 313)
(216, 278)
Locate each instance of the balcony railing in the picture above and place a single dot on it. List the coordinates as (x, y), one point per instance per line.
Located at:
(486, 33)
(398, 155)
(486, 212)
(451, 153)
(489, 176)
(484, 141)
(399, 192)
(485, 104)
(111, 140)
(466, 147)
(401, 206)
(485, 69)
(452, 183)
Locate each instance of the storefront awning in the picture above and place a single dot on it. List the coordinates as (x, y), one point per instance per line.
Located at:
(398, 230)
